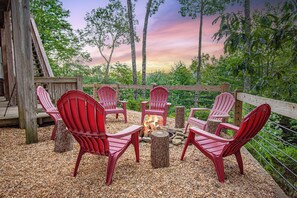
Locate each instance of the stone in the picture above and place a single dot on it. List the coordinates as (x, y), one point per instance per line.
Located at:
(176, 142)
(146, 139)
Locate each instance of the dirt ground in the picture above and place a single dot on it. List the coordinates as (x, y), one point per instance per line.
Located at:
(36, 171)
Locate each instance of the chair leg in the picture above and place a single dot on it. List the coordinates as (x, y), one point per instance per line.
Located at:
(135, 142)
(189, 140)
(186, 128)
(239, 161)
(117, 116)
(164, 120)
(125, 116)
(142, 117)
(80, 154)
(54, 132)
(219, 166)
(112, 160)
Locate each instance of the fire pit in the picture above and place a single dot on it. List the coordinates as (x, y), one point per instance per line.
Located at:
(153, 123)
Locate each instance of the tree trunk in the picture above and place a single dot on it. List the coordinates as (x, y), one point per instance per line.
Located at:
(160, 149)
(199, 54)
(212, 125)
(179, 117)
(106, 76)
(63, 140)
(133, 54)
(246, 76)
(147, 14)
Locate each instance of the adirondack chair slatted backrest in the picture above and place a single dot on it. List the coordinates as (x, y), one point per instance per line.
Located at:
(107, 97)
(222, 105)
(249, 127)
(158, 98)
(84, 118)
(46, 102)
(44, 98)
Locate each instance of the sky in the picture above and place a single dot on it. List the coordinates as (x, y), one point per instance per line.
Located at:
(170, 37)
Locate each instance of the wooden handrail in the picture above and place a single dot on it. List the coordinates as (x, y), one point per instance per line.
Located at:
(288, 109)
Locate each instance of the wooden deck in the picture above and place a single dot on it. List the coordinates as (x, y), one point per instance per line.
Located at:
(12, 118)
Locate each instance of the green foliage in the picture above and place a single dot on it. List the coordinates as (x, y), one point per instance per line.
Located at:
(193, 8)
(107, 28)
(59, 41)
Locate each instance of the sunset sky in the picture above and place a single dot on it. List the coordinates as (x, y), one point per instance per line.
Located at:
(171, 38)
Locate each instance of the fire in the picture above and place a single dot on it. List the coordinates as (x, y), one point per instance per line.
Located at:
(151, 124)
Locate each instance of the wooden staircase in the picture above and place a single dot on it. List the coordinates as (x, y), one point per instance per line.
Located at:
(42, 67)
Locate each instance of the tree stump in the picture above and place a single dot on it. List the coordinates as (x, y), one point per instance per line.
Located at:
(160, 149)
(63, 140)
(212, 125)
(179, 117)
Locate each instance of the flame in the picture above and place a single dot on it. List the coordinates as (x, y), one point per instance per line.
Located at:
(152, 123)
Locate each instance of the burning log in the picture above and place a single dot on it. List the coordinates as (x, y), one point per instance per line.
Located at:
(150, 125)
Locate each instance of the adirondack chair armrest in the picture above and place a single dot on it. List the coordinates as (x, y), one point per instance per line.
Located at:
(221, 116)
(143, 104)
(198, 131)
(125, 132)
(52, 111)
(226, 126)
(193, 110)
(124, 103)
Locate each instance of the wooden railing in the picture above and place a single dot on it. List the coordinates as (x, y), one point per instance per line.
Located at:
(287, 109)
(56, 86)
(219, 88)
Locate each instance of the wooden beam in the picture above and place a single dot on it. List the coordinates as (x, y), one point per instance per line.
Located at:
(277, 106)
(24, 68)
(9, 58)
(4, 63)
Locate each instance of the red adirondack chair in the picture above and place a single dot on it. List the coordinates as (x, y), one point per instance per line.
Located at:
(108, 99)
(46, 102)
(222, 105)
(158, 104)
(216, 147)
(84, 118)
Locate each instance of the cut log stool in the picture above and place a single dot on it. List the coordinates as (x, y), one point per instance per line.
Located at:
(179, 117)
(160, 149)
(212, 125)
(63, 140)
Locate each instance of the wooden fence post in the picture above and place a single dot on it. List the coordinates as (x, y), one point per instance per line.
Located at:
(154, 85)
(237, 110)
(118, 91)
(94, 90)
(225, 87)
(79, 83)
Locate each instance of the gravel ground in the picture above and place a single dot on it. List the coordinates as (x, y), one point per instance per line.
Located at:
(36, 171)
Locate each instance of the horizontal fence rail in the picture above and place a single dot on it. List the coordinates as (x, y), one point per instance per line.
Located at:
(207, 88)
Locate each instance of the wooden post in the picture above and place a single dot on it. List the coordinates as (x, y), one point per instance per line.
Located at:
(212, 125)
(225, 87)
(237, 110)
(9, 58)
(63, 140)
(4, 64)
(179, 117)
(24, 69)
(79, 83)
(160, 149)
(118, 91)
(95, 90)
